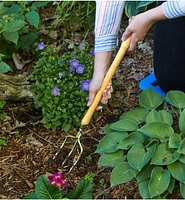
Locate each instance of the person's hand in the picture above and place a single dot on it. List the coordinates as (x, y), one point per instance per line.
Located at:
(140, 24)
(101, 66)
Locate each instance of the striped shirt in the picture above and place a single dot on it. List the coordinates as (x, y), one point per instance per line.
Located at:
(108, 19)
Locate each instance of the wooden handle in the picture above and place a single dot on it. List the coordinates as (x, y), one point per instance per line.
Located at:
(107, 79)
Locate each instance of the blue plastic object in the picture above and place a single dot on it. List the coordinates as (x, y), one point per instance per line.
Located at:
(150, 82)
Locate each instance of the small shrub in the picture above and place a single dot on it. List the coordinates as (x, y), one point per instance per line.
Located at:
(147, 144)
(61, 86)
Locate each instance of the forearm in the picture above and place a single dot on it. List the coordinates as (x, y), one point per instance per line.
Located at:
(102, 62)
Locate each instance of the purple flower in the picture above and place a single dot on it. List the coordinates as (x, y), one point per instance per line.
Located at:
(74, 62)
(79, 68)
(71, 68)
(92, 52)
(61, 75)
(55, 91)
(41, 46)
(57, 180)
(85, 84)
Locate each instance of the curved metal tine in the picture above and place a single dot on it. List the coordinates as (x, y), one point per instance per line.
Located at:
(81, 151)
(61, 146)
(77, 140)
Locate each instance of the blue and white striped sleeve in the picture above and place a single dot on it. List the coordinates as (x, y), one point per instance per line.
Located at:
(107, 23)
(173, 9)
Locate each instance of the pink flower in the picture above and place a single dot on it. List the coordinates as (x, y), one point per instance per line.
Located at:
(57, 180)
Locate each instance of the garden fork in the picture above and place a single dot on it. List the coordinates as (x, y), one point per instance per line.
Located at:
(86, 119)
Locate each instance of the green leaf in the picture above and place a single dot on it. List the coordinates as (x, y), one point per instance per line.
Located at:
(176, 98)
(11, 36)
(159, 130)
(4, 68)
(122, 173)
(171, 185)
(107, 129)
(145, 173)
(46, 191)
(163, 155)
(32, 195)
(182, 158)
(124, 125)
(153, 116)
(181, 148)
(166, 117)
(177, 170)
(84, 189)
(14, 25)
(137, 114)
(159, 181)
(175, 140)
(182, 121)
(150, 99)
(109, 142)
(111, 159)
(143, 189)
(33, 18)
(139, 155)
(130, 140)
(182, 189)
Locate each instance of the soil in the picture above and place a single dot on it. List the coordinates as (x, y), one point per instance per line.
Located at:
(31, 146)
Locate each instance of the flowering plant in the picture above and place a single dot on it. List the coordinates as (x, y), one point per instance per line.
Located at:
(61, 85)
(55, 187)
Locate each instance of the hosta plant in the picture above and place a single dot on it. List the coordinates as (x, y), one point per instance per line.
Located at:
(148, 144)
(60, 85)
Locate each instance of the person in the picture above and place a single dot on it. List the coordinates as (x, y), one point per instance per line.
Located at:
(108, 18)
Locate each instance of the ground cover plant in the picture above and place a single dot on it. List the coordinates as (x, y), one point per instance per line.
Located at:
(144, 144)
(65, 81)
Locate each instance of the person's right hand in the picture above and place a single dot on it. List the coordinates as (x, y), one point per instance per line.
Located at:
(101, 66)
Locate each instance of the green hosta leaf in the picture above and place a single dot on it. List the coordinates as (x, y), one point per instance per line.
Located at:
(163, 155)
(182, 158)
(33, 18)
(182, 189)
(176, 98)
(181, 148)
(109, 142)
(171, 185)
(46, 191)
(107, 129)
(145, 173)
(138, 115)
(130, 140)
(11, 36)
(124, 125)
(122, 173)
(177, 170)
(4, 68)
(175, 140)
(139, 155)
(166, 117)
(159, 130)
(150, 99)
(159, 181)
(143, 189)
(153, 116)
(14, 25)
(133, 8)
(111, 159)
(182, 121)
